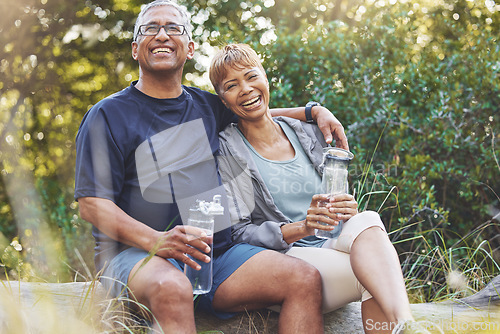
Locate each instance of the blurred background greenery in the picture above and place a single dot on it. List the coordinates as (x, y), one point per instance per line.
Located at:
(415, 83)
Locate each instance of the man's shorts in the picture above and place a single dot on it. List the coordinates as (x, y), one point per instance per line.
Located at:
(115, 276)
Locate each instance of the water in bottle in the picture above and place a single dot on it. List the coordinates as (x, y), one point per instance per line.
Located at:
(334, 182)
(201, 215)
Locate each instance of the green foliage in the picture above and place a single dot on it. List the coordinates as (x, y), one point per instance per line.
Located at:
(436, 273)
(416, 84)
(57, 59)
(54, 65)
(61, 214)
(426, 86)
(52, 242)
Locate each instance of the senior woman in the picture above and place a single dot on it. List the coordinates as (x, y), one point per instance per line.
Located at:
(259, 157)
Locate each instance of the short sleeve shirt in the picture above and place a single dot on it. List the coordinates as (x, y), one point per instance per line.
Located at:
(151, 157)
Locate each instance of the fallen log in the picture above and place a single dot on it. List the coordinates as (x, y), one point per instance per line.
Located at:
(48, 307)
(479, 313)
(75, 307)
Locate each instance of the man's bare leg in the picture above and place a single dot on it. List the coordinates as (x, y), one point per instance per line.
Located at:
(270, 278)
(167, 292)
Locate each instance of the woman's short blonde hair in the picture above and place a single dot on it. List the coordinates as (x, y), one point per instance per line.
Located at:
(236, 56)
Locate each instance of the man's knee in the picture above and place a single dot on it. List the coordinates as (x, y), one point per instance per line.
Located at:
(304, 276)
(170, 292)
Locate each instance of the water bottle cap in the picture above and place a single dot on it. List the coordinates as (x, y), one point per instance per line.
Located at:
(216, 207)
(212, 208)
(338, 153)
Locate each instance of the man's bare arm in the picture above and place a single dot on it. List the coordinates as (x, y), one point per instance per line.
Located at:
(118, 225)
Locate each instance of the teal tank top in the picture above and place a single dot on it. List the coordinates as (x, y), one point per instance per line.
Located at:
(292, 183)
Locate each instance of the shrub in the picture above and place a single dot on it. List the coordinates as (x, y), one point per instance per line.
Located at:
(51, 242)
(424, 105)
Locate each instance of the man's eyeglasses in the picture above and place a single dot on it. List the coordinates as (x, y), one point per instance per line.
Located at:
(154, 29)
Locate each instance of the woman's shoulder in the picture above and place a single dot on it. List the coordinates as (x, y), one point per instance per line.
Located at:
(230, 141)
(310, 130)
(229, 131)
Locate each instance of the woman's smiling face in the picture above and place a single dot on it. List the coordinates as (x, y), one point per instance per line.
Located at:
(245, 90)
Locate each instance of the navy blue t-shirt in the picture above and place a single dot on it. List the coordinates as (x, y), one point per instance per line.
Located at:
(153, 158)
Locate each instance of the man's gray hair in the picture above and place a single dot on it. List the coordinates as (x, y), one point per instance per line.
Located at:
(186, 17)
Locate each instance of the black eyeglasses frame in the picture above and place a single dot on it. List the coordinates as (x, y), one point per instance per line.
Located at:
(160, 26)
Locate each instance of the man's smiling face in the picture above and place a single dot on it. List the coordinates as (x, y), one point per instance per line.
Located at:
(162, 53)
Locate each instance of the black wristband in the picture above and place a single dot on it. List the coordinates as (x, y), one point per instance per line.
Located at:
(309, 106)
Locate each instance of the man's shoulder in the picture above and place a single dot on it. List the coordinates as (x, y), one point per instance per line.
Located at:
(119, 98)
(109, 109)
(115, 106)
(202, 95)
(209, 102)
(197, 91)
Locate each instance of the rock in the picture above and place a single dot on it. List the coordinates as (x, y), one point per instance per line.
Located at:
(75, 307)
(479, 311)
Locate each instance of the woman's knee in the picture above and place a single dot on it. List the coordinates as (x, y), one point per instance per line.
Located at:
(369, 219)
(358, 226)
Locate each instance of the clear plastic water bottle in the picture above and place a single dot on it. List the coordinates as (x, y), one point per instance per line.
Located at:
(201, 215)
(334, 181)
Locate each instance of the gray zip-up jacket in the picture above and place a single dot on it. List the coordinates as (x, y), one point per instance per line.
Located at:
(254, 216)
